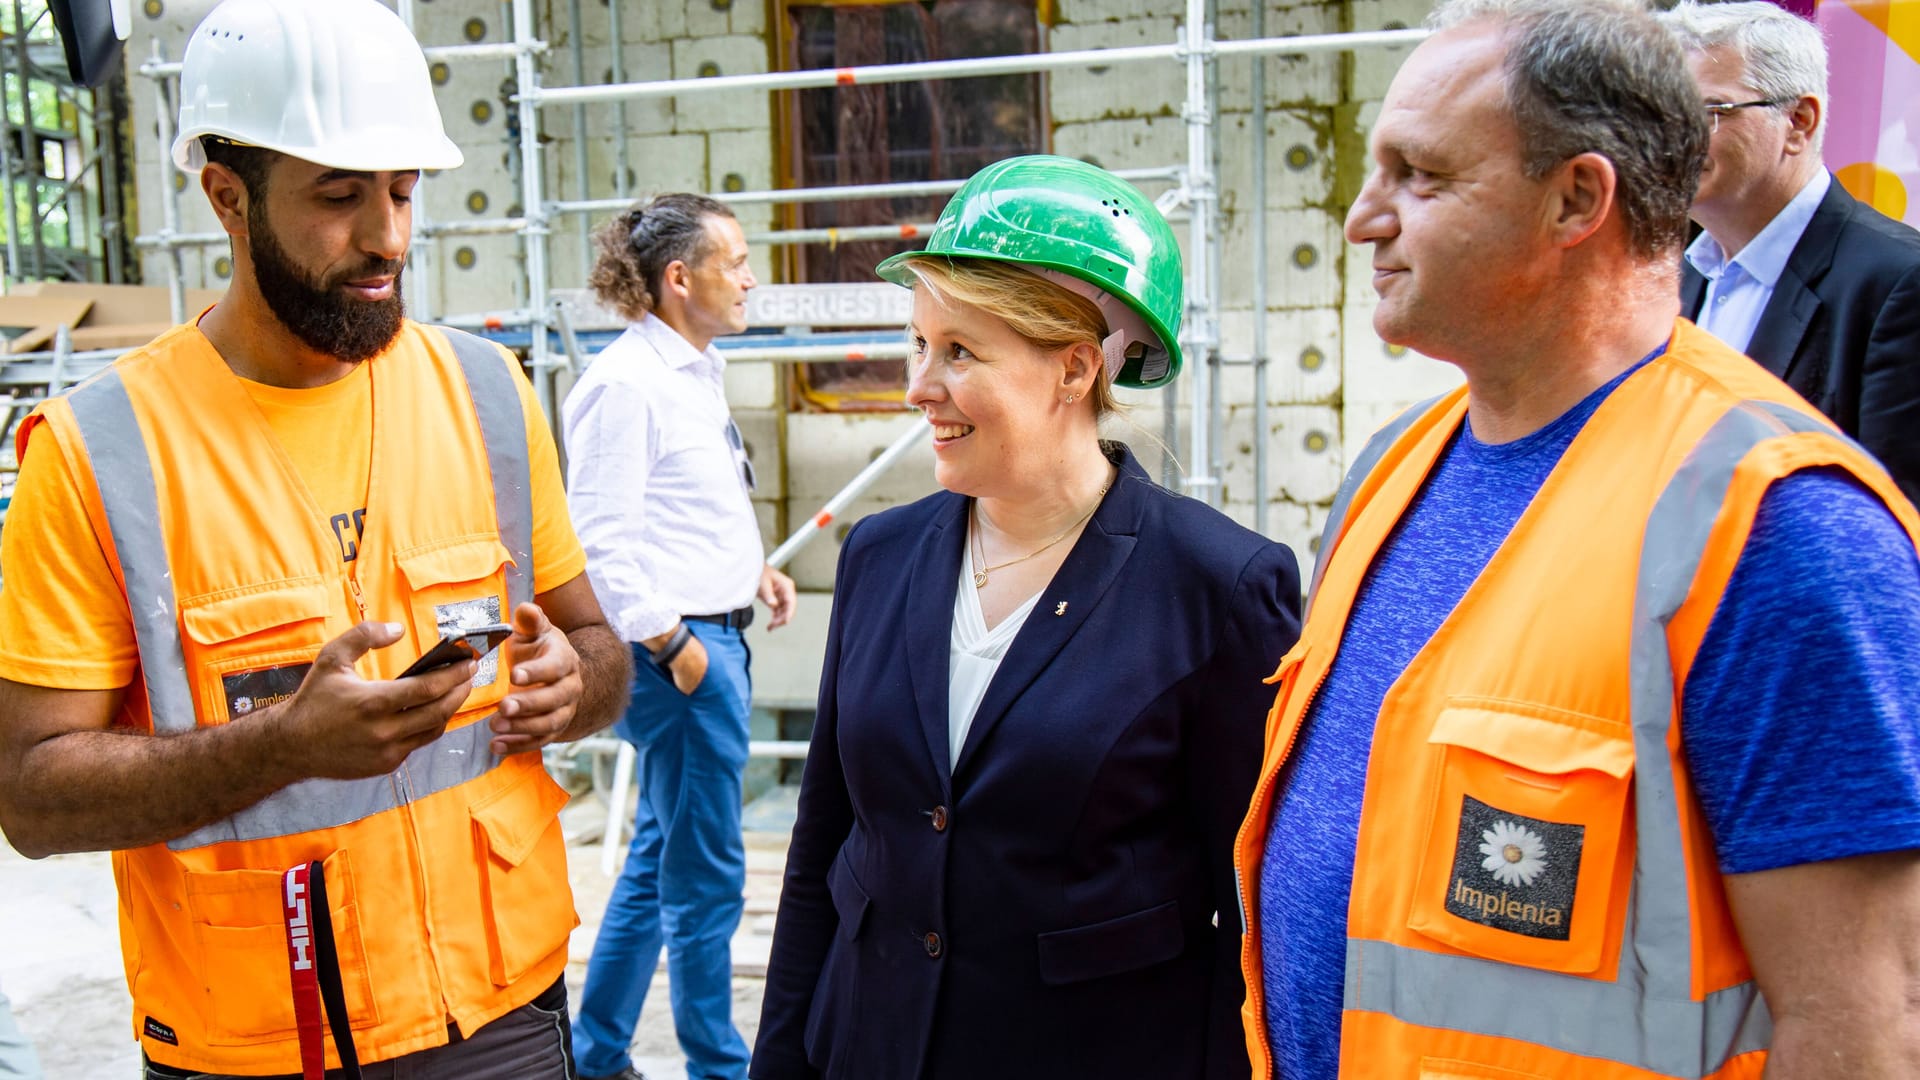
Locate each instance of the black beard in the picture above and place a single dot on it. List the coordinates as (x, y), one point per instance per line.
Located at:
(319, 313)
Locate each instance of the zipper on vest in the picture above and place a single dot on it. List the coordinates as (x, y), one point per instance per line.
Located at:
(359, 600)
(1254, 978)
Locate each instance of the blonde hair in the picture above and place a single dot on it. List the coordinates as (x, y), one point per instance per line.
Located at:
(1047, 315)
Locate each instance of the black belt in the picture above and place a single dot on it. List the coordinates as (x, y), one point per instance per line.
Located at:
(737, 619)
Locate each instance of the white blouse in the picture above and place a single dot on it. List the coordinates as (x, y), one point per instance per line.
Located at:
(975, 654)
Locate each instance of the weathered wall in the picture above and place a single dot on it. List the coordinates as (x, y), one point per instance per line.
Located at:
(1330, 380)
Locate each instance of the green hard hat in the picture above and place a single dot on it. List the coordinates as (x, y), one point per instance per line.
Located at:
(1077, 225)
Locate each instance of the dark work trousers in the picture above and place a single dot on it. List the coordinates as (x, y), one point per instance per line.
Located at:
(529, 1043)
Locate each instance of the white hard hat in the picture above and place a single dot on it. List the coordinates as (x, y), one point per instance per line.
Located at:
(340, 83)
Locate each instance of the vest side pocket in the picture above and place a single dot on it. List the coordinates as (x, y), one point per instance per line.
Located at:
(241, 932)
(460, 583)
(247, 649)
(524, 889)
(1528, 831)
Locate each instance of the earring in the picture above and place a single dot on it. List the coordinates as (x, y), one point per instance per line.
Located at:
(1071, 398)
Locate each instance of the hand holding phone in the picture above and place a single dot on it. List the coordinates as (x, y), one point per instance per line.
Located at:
(460, 643)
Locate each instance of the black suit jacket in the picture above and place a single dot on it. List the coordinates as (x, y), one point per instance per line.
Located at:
(1061, 903)
(1843, 328)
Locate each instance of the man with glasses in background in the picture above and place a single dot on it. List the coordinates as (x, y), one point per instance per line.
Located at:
(659, 488)
(1819, 288)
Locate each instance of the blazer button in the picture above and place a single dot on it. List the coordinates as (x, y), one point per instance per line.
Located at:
(939, 816)
(934, 946)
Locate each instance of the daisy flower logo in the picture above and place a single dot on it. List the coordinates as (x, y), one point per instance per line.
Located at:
(1514, 853)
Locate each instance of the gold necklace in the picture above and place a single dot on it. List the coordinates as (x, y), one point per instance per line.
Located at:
(980, 545)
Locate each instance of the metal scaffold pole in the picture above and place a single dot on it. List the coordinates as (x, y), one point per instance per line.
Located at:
(617, 73)
(169, 195)
(532, 197)
(1216, 466)
(29, 168)
(1022, 64)
(1200, 335)
(420, 252)
(846, 192)
(1197, 192)
(1257, 89)
(580, 166)
(6, 181)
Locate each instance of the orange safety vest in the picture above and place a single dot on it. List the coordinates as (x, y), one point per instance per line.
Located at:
(1538, 733)
(447, 878)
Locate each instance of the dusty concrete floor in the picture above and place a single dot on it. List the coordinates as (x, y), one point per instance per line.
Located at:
(60, 951)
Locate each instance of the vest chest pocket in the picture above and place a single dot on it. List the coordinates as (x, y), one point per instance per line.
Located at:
(1530, 841)
(460, 583)
(248, 649)
(242, 931)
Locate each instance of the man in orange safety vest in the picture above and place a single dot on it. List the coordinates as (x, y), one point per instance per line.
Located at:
(1599, 753)
(223, 556)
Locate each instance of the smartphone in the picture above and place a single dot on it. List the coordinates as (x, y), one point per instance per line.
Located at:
(461, 643)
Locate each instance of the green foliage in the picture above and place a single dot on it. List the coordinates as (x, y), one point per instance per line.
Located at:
(39, 107)
(41, 99)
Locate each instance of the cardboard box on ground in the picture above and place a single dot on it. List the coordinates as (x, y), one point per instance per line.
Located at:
(98, 316)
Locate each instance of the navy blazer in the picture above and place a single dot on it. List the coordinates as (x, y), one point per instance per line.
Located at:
(1061, 902)
(1843, 328)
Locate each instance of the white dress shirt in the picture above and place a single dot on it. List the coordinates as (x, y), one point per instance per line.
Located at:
(1738, 289)
(974, 655)
(656, 490)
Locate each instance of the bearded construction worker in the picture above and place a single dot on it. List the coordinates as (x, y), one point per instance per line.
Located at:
(223, 553)
(1599, 754)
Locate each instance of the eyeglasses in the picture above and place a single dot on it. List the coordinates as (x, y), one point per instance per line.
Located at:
(1725, 108)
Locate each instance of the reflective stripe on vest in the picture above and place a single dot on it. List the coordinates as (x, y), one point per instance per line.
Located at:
(496, 402)
(123, 473)
(1646, 1017)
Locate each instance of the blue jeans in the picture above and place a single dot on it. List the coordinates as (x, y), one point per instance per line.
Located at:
(686, 873)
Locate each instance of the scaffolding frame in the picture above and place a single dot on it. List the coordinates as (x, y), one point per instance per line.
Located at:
(90, 189)
(1194, 195)
(1192, 199)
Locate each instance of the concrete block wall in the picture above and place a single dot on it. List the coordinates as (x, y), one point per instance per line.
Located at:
(1330, 381)
(472, 273)
(703, 143)
(698, 142)
(1329, 377)
(695, 142)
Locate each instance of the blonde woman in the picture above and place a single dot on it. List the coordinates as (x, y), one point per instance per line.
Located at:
(1041, 712)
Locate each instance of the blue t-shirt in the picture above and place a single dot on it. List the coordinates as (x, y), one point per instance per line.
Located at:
(1800, 719)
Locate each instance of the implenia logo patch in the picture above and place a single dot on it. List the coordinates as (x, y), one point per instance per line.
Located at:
(1515, 873)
